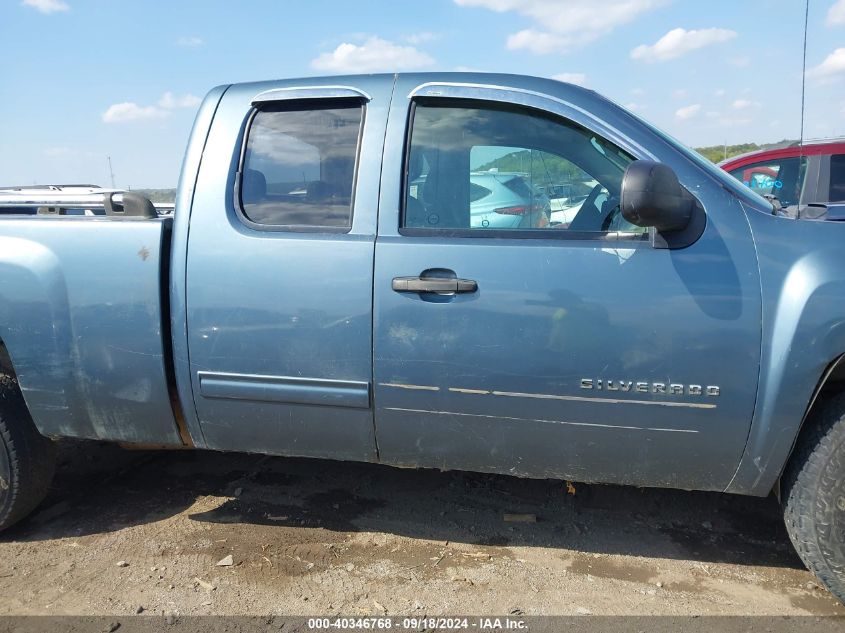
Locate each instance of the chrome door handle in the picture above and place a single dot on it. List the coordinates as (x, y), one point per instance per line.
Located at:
(437, 285)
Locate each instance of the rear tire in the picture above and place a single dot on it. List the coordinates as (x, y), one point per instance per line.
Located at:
(27, 458)
(813, 488)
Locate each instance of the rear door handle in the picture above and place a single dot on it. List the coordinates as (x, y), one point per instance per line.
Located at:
(437, 285)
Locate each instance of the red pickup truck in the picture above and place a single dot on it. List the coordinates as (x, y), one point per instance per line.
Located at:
(798, 175)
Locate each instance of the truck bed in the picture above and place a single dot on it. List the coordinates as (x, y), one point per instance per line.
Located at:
(88, 335)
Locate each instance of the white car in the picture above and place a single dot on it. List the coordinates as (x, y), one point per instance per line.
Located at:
(565, 207)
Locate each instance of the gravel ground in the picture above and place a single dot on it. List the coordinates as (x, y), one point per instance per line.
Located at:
(124, 532)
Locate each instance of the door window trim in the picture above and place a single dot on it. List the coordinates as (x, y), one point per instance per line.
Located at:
(518, 234)
(299, 99)
(534, 100)
(303, 93)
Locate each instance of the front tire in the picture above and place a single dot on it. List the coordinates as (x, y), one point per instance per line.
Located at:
(813, 488)
(27, 458)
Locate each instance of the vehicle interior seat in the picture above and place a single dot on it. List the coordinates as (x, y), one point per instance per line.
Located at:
(611, 212)
(591, 217)
(319, 191)
(415, 215)
(445, 193)
(253, 187)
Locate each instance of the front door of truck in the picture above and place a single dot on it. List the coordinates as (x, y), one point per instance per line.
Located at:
(523, 326)
(279, 273)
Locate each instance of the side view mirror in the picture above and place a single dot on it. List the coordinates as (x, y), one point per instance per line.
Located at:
(653, 197)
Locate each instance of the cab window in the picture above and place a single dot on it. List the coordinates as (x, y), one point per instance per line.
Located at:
(299, 166)
(499, 168)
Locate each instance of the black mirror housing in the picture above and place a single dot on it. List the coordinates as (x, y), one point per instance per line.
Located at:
(653, 197)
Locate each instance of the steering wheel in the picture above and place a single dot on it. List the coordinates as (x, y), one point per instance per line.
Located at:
(608, 220)
(589, 206)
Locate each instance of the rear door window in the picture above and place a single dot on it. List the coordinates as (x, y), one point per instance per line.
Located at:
(299, 166)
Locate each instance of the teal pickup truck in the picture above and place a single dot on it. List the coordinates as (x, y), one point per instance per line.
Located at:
(327, 288)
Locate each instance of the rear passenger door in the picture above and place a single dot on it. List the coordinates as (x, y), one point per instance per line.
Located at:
(279, 272)
(552, 341)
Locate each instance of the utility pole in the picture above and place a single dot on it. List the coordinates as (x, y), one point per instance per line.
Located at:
(111, 173)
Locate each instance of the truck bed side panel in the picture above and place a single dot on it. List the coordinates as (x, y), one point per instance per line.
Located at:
(81, 317)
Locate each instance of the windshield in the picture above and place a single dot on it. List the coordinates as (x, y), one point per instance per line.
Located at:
(729, 182)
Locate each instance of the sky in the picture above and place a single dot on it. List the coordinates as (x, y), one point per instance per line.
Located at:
(84, 80)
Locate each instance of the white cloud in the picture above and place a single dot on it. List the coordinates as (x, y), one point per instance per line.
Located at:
(374, 55)
(579, 79)
(836, 14)
(562, 25)
(168, 101)
(191, 41)
(679, 42)
(537, 42)
(47, 6)
(130, 111)
(637, 92)
(720, 92)
(688, 112)
(742, 104)
(680, 93)
(421, 38)
(833, 65)
(634, 106)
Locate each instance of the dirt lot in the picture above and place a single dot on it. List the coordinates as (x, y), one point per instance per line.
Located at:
(124, 531)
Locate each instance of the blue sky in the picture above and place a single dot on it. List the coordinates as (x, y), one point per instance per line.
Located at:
(87, 79)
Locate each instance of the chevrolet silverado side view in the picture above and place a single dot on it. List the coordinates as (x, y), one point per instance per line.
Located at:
(322, 290)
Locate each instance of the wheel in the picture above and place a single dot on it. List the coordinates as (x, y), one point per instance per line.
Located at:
(27, 458)
(813, 495)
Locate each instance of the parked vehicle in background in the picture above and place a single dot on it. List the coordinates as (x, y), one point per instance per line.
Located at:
(62, 200)
(32, 192)
(566, 201)
(803, 178)
(502, 200)
(324, 289)
(40, 189)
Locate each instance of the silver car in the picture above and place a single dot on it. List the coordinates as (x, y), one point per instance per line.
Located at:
(506, 200)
